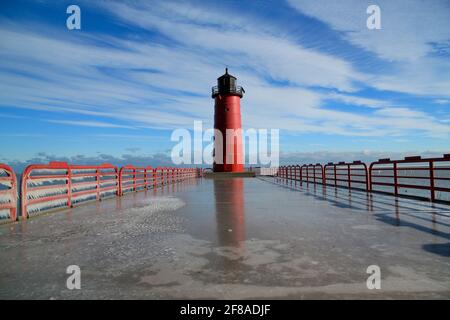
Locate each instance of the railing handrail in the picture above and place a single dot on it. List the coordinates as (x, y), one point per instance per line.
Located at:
(308, 173)
(10, 192)
(61, 189)
(216, 90)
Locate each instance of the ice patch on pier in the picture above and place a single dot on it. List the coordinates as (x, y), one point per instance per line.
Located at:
(155, 205)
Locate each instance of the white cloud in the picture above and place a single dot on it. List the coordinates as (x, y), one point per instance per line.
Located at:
(426, 76)
(95, 124)
(409, 27)
(412, 31)
(277, 57)
(442, 101)
(358, 101)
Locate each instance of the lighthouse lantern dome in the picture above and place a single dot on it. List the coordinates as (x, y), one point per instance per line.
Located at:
(226, 85)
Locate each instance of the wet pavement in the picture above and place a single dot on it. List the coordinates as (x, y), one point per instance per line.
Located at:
(232, 239)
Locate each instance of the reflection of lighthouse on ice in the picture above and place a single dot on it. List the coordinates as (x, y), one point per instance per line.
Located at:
(230, 211)
(227, 119)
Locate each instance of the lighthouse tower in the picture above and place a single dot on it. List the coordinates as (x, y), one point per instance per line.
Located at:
(227, 115)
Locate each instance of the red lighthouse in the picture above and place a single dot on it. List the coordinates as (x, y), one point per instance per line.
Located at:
(227, 119)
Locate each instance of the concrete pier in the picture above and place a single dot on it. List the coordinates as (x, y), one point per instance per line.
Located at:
(232, 239)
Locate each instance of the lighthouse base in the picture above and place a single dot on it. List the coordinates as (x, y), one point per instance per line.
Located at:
(226, 175)
(228, 168)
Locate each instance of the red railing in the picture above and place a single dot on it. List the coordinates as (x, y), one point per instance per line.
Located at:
(132, 178)
(58, 184)
(92, 182)
(190, 173)
(304, 172)
(353, 175)
(45, 186)
(283, 172)
(312, 173)
(268, 171)
(413, 176)
(280, 171)
(179, 174)
(168, 175)
(297, 173)
(159, 176)
(291, 172)
(8, 192)
(150, 177)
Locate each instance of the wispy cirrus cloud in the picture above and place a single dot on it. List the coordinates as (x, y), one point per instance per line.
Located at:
(442, 101)
(411, 29)
(358, 101)
(95, 124)
(414, 39)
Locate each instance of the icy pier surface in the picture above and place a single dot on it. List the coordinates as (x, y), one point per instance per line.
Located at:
(235, 238)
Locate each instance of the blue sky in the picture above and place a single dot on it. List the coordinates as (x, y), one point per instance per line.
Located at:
(139, 69)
